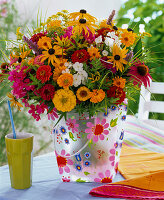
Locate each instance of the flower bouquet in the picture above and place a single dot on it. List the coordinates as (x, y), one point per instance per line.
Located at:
(80, 72)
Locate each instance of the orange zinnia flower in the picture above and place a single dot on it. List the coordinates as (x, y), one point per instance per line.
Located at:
(97, 96)
(65, 80)
(119, 82)
(93, 52)
(128, 38)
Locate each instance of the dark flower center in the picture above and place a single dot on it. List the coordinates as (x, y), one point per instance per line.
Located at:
(51, 51)
(99, 129)
(62, 162)
(115, 28)
(142, 70)
(19, 59)
(106, 180)
(83, 11)
(117, 57)
(82, 21)
(83, 93)
(126, 39)
(129, 29)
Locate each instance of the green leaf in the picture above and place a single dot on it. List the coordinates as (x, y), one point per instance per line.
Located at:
(79, 180)
(86, 173)
(72, 136)
(137, 51)
(113, 122)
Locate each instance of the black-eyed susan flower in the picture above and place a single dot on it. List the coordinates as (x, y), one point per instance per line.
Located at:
(50, 52)
(118, 57)
(14, 101)
(82, 14)
(83, 93)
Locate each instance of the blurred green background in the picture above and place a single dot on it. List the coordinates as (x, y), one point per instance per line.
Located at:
(145, 14)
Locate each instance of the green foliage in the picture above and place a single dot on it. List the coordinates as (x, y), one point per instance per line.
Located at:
(150, 14)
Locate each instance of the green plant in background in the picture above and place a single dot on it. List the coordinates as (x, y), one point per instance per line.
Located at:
(9, 20)
(148, 14)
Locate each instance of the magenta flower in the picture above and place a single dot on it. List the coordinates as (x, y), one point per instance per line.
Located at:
(71, 123)
(53, 114)
(107, 178)
(63, 162)
(112, 157)
(97, 130)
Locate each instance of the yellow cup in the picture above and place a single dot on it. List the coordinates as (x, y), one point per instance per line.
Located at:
(19, 155)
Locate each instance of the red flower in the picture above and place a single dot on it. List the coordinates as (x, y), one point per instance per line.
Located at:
(35, 38)
(80, 56)
(47, 92)
(116, 92)
(103, 32)
(43, 73)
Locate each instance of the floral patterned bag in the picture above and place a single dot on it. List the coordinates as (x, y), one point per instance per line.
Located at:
(88, 150)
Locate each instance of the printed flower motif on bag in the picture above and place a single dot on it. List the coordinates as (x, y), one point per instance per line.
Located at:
(122, 135)
(78, 167)
(123, 118)
(112, 157)
(87, 155)
(107, 178)
(97, 130)
(63, 162)
(71, 123)
(63, 130)
(87, 163)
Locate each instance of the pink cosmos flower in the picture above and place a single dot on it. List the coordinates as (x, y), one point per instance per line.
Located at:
(97, 130)
(107, 178)
(63, 162)
(53, 114)
(71, 123)
(112, 157)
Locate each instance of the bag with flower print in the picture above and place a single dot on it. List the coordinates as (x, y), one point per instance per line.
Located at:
(88, 150)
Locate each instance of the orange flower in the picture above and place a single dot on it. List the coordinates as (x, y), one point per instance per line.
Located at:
(43, 42)
(59, 63)
(128, 38)
(93, 52)
(119, 82)
(57, 72)
(83, 93)
(97, 95)
(65, 80)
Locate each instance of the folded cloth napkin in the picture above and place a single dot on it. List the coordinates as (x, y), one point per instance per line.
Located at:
(144, 173)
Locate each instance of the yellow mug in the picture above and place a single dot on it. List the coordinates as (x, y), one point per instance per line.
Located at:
(19, 155)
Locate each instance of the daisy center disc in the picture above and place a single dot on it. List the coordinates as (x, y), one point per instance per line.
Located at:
(117, 57)
(142, 70)
(62, 162)
(99, 129)
(51, 51)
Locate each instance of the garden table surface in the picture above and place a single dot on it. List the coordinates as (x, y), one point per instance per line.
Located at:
(46, 180)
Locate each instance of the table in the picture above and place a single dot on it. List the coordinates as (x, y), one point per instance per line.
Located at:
(46, 181)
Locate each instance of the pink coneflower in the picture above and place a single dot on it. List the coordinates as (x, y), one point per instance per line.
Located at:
(139, 73)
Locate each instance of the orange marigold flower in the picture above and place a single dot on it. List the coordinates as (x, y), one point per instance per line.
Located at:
(65, 80)
(93, 52)
(97, 95)
(83, 93)
(128, 38)
(119, 82)
(43, 73)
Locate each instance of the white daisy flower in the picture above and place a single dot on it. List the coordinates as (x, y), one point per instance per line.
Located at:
(84, 76)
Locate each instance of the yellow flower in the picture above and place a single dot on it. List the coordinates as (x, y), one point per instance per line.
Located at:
(57, 72)
(82, 14)
(19, 34)
(63, 42)
(95, 77)
(50, 53)
(103, 24)
(60, 63)
(14, 102)
(65, 80)
(118, 57)
(119, 82)
(64, 100)
(93, 52)
(128, 38)
(43, 42)
(97, 95)
(83, 93)
(82, 24)
(53, 24)
(22, 55)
